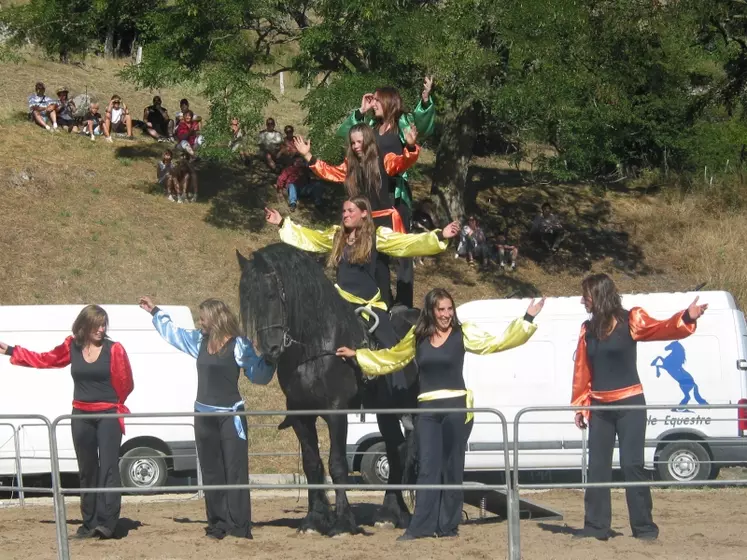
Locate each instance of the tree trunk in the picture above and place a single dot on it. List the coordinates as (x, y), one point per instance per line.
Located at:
(109, 42)
(452, 160)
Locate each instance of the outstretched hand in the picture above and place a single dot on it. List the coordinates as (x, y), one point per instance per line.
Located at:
(146, 303)
(273, 216)
(302, 146)
(427, 87)
(411, 135)
(3, 348)
(345, 352)
(535, 308)
(696, 311)
(451, 230)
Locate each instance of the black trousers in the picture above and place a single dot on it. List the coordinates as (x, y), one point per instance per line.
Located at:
(96, 443)
(405, 269)
(223, 460)
(630, 428)
(441, 446)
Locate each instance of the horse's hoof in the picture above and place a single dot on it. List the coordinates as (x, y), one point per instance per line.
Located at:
(340, 535)
(385, 525)
(308, 532)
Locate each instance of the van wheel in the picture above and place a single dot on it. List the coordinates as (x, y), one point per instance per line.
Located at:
(683, 461)
(143, 467)
(375, 464)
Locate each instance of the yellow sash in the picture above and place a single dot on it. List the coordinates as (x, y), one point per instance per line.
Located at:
(449, 394)
(373, 302)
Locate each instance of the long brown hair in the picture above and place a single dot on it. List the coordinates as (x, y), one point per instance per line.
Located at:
(222, 324)
(90, 318)
(392, 107)
(360, 251)
(426, 327)
(606, 304)
(364, 171)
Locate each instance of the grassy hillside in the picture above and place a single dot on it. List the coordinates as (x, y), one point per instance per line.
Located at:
(83, 222)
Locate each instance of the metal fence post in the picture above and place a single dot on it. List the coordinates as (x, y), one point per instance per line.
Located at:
(19, 470)
(584, 457)
(60, 515)
(200, 492)
(514, 510)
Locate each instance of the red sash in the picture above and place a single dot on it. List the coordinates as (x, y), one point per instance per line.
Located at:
(397, 224)
(102, 406)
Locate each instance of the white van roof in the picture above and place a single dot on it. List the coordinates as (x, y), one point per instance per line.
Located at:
(667, 302)
(20, 318)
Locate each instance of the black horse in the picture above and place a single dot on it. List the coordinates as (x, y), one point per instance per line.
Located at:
(297, 319)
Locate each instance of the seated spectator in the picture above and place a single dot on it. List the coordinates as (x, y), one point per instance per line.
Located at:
(92, 121)
(183, 107)
(288, 152)
(42, 109)
(165, 174)
(185, 178)
(547, 229)
(269, 141)
(238, 141)
(506, 251)
(473, 243)
(118, 119)
(188, 134)
(295, 179)
(159, 124)
(65, 110)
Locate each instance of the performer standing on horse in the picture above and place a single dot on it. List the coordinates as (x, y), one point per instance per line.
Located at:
(390, 124)
(367, 172)
(221, 441)
(354, 247)
(438, 342)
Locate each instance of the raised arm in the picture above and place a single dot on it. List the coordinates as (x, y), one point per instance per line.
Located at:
(387, 360)
(477, 341)
(58, 357)
(304, 238)
(356, 117)
(396, 164)
(186, 340)
(414, 244)
(327, 172)
(643, 327)
(258, 370)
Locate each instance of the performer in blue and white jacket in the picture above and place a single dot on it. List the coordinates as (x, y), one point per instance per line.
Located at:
(221, 352)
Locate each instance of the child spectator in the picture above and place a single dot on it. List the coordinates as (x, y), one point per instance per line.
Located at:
(42, 108)
(473, 243)
(65, 110)
(295, 178)
(92, 121)
(183, 108)
(158, 124)
(118, 119)
(506, 251)
(188, 133)
(287, 152)
(269, 141)
(185, 179)
(165, 174)
(547, 229)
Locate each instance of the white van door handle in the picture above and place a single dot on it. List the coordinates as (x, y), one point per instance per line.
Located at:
(742, 365)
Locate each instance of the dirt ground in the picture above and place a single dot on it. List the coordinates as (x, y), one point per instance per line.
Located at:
(693, 524)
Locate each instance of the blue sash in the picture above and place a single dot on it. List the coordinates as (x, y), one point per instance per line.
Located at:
(199, 407)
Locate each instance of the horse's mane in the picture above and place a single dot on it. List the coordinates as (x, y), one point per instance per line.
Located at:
(676, 351)
(314, 309)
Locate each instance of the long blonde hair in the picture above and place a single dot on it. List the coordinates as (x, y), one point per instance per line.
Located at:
(222, 324)
(360, 251)
(364, 171)
(90, 318)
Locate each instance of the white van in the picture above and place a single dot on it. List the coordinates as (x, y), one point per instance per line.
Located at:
(680, 443)
(165, 381)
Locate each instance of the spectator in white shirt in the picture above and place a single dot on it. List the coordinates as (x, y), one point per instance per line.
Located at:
(118, 118)
(269, 141)
(42, 108)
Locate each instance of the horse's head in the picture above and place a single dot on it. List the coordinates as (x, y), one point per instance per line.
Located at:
(676, 350)
(263, 306)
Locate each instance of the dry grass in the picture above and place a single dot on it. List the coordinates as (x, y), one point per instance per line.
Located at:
(81, 223)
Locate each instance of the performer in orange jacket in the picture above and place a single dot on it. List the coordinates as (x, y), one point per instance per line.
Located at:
(102, 380)
(364, 172)
(605, 373)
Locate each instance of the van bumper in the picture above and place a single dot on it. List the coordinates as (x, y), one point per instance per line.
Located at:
(184, 455)
(732, 451)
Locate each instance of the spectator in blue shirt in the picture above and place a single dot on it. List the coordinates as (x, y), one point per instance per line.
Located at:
(42, 109)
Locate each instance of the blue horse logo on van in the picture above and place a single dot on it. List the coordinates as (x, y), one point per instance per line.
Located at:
(673, 363)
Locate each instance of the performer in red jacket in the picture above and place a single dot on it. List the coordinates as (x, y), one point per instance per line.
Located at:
(102, 380)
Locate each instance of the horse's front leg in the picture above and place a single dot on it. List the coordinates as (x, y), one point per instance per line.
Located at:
(319, 517)
(394, 511)
(344, 522)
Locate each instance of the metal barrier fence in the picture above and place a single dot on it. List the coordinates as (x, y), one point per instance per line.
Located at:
(511, 461)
